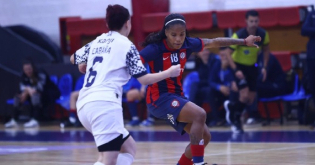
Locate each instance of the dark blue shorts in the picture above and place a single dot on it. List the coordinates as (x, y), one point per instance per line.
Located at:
(168, 107)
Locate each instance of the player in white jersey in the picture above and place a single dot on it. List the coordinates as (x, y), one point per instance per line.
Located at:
(109, 61)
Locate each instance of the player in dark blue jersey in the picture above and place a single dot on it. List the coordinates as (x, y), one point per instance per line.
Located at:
(165, 100)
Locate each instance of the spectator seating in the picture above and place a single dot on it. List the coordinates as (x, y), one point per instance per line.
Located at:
(54, 79)
(284, 58)
(65, 87)
(79, 83)
(278, 100)
(188, 80)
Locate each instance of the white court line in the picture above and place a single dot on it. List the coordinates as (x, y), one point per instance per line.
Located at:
(232, 153)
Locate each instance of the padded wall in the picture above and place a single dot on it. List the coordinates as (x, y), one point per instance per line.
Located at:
(40, 39)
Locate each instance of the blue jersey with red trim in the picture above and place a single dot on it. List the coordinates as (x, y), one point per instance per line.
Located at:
(160, 57)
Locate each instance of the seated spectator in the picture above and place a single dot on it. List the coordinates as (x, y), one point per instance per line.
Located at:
(222, 87)
(133, 92)
(199, 91)
(36, 88)
(73, 117)
(275, 83)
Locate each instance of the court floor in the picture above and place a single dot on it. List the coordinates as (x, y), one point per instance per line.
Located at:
(283, 145)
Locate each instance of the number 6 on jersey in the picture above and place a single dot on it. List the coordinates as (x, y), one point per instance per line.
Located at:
(91, 78)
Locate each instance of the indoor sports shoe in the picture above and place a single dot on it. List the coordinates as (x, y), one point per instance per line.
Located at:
(147, 123)
(31, 123)
(237, 127)
(10, 124)
(98, 163)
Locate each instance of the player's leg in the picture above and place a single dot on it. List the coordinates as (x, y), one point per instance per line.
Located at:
(196, 116)
(186, 158)
(105, 121)
(127, 152)
(35, 102)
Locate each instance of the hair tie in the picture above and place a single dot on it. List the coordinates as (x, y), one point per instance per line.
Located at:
(176, 19)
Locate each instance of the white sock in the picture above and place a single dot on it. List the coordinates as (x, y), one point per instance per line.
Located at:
(124, 159)
(98, 163)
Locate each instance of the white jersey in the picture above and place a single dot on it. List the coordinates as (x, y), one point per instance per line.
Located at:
(111, 59)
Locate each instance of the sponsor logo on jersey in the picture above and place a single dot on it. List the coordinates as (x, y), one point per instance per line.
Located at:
(182, 55)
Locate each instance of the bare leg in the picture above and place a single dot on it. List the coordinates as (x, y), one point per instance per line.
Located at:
(206, 137)
(196, 116)
(127, 152)
(73, 99)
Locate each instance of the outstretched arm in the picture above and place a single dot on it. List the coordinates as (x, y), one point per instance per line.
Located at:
(224, 41)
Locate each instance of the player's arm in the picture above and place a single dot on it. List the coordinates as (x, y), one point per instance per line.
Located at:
(72, 59)
(266, 50)
(151, 78)
(80, 57)
(225, 41)
(81, 66)
(138, 70)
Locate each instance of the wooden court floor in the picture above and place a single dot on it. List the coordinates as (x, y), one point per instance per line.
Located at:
(283, 145)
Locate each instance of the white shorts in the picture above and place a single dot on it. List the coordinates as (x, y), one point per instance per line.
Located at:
(104, 120)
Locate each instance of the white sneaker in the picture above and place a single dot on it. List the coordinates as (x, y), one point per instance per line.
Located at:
(10, 124)
(250, 121)
(31, 123)
(98, 163)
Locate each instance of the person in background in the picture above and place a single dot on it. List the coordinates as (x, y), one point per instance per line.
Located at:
(275, 84)
(308, 29)
(246, 73)
(37, 89)
(73, 116)
(199, 91)
(133, 93)
(222, 85)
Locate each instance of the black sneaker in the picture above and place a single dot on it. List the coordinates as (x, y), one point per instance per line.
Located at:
(237, 127)
(229, 116)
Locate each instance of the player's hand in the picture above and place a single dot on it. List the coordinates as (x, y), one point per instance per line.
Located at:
(174, 70)
(250, 40)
